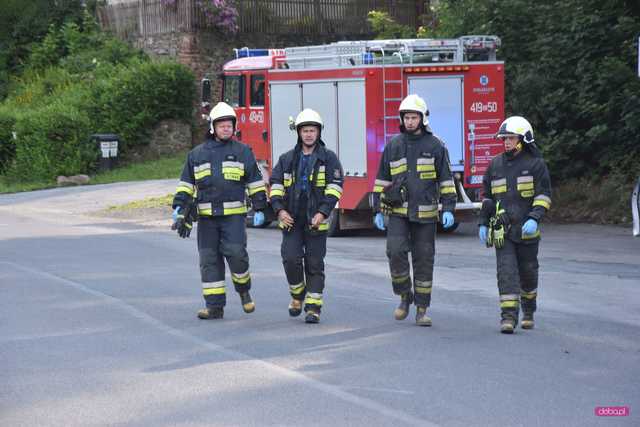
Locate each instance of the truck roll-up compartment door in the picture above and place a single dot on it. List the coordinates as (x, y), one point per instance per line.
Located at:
(444, 99)
(321, 97)
(352, 132)
(285, 102)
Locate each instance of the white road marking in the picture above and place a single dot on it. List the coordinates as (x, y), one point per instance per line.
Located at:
(329, 389)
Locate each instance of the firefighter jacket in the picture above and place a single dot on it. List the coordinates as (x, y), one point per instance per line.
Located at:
(422, 163)
(522, 186)
(220, 175)
(325, 183)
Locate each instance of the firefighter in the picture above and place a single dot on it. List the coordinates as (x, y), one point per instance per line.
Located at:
(413, 177)
(517, 194)
(306, 184)
(217, 176)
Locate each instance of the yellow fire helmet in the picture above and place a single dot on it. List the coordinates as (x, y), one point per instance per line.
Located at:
(415, 104)
(516, 125)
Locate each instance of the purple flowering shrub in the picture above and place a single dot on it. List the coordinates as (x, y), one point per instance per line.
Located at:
(220, 14)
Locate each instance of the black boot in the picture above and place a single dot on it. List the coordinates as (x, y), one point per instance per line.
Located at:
(312, 317)
(421, 317)
(247, 303)
(527, 321)
(402, 311)
(211, 313)
(295, 307)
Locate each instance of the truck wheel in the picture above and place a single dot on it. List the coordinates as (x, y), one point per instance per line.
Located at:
(334, 224)
(451, 229)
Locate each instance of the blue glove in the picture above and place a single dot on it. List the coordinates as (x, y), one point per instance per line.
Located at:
(530, 227)
(174, 215)
(258, 218)
(482, 233)
(378, 221)
(447, 219)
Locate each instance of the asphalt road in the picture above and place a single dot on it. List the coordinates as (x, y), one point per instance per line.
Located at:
(98, 327)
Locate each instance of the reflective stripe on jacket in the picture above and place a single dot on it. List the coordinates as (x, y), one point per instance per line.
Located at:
(325, 182)
(424, 161)
(221, 175)
(523, 188)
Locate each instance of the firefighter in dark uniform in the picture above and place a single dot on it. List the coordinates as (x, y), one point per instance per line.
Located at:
(413, 177)
(517, 194)
(217, 176)
(306, 184)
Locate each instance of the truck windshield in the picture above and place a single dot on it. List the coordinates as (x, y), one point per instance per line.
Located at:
(233, 91)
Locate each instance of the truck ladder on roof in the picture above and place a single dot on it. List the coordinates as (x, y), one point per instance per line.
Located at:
(347, 54)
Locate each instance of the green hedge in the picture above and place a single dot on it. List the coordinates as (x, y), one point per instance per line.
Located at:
(7, 144)
(52, 141)
(139, 95)
(79, 82)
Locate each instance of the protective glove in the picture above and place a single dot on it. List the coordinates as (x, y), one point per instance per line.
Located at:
(447, 219)
(258, 218)
(482, 233)
(378, 221)
(180, 224)
(530, 227)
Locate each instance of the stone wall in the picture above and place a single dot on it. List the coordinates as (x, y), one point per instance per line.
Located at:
(167, 138)
(206, 52)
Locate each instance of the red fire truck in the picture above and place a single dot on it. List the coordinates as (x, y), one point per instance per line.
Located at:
(357, 86)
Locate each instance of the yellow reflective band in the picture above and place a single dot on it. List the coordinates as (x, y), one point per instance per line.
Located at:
(235, 211)
(425, 168)
(321, 183)
(529, 295)
(509, 304)
(427, 214)
(378, 189)
(543, 203)
(184, 189)
(204, 209)
(449, 189)
(276, 192)
(399, 169)
(314, 301)
(400, 211)
(255, 190)
(499, 189)
(527, 193)
(525, 186)
(428, 175)
(297, 289)
(240, 280)
(332, 192)
(323, 226)
(399, 279)
(321, 177)
(421, 290)
(202, 174)
(213, 291)
(531, 236)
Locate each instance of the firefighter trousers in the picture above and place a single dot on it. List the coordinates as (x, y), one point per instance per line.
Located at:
(220, 238)
(303, 251)
(403, 237)
(517, 271)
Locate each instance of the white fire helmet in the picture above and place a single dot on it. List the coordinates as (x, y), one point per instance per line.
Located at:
(414, 103)
(516, 125)
(308, 117)
(222, 111)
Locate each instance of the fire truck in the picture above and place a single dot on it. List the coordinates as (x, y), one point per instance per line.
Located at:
(357, 87)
